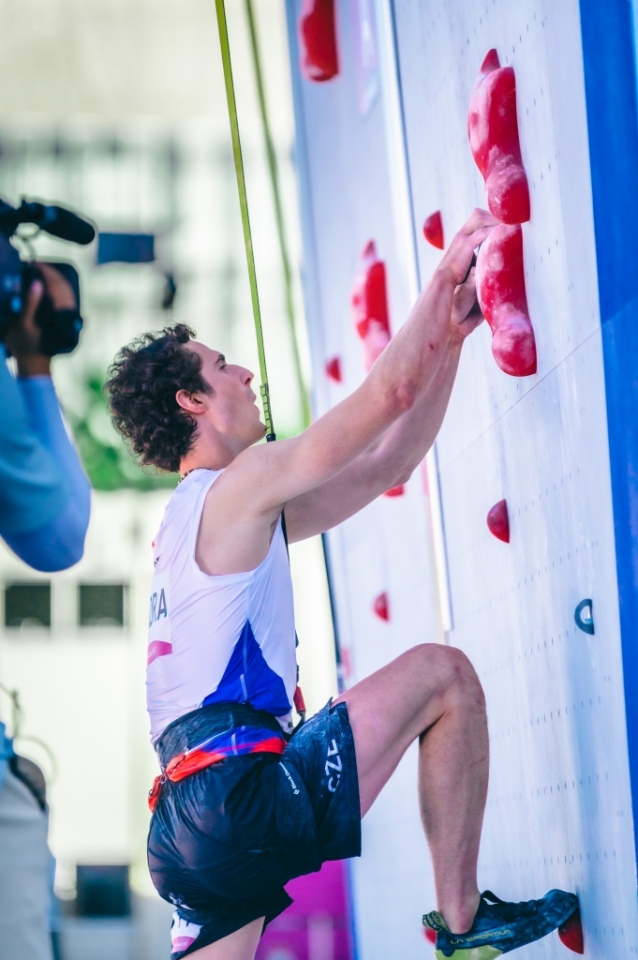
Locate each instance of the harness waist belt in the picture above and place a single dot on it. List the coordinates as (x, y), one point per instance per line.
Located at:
(212, 734)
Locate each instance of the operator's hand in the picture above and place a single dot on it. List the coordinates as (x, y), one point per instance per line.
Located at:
(23, 338)
(456, 260)
(466, 313)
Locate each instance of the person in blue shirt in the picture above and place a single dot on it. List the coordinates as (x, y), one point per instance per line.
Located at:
(45, 500)
(45, 496)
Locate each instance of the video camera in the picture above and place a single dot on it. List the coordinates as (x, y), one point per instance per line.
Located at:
(60, 328)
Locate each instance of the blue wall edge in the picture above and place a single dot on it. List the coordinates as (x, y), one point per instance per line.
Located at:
(612, 119)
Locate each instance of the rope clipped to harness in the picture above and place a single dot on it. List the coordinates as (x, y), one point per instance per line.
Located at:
(264, 390)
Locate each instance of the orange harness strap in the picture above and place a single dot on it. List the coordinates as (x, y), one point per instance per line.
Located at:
(186, 764)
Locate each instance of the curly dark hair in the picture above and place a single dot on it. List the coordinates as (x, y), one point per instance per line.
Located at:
(142, 383)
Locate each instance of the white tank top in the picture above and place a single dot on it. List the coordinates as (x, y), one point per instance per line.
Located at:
(216, 639)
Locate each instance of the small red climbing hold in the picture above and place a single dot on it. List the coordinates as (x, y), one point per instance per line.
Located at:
(381, 606)
(490, 62)
(493, 131)
(318, 36)
(395, 491)
(571, 933)
(333, 369)
(500, 287)
(369, 303)
(498, 521)
(298, 700)
(430, 935)
(433, 230)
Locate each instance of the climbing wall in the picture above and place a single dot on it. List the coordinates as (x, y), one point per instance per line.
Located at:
(388, 134)
(559, 811)
(383, 553)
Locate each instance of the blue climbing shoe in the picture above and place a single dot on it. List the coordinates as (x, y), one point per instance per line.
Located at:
(500, 927)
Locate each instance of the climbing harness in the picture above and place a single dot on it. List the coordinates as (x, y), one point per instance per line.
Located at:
(199, 758)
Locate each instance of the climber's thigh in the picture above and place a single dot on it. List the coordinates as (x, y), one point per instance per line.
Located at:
(394, 706)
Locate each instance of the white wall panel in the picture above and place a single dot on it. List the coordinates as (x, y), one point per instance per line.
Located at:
(559, 807)
(347, 199)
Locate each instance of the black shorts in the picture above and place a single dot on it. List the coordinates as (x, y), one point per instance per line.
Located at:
(224, 841)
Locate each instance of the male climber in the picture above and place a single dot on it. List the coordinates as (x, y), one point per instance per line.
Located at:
(241, 808)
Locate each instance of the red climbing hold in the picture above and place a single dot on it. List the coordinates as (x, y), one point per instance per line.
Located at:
(318, 36)
(571, 933)
(369, 296)
(498, 521)
(430, 935)
(491, 62)
(370, 304)
(493, 130)
(381, 606)
(395, 491)
(433, 230)
(333, 370)
(298, 700)
(500, 286)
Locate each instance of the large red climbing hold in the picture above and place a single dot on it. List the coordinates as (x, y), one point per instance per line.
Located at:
(571, 933)
(369, 295)
(318, 36)
(493, 130)
(333, 370)
(433, 230)
(430, 935)
(397, 491)
(498, 521)
(381, 607)
(500, 286)
(370, 304)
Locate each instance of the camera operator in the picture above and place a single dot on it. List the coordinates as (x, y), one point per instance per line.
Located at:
(44, 492)
(45, 500)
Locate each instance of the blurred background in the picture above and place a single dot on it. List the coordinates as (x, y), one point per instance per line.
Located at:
(117, 109)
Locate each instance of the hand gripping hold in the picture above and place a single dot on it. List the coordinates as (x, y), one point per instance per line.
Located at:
(493, 130)
(500, 286)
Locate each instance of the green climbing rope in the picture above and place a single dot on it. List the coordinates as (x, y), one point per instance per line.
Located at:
(279, 217)
(245, 219)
